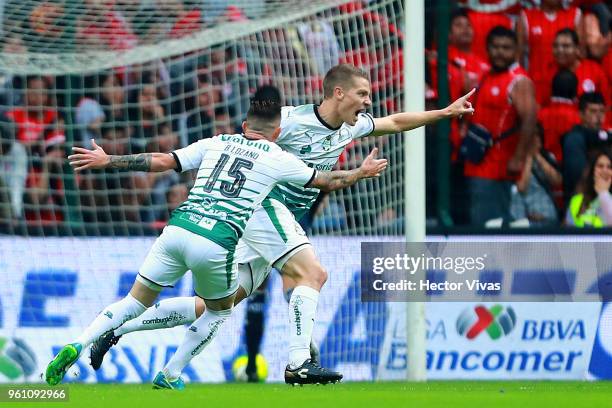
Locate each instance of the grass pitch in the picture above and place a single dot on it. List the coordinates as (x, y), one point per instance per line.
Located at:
(434, 394)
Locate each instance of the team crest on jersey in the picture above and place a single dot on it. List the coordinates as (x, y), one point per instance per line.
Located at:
(327, 143)
(495, 91)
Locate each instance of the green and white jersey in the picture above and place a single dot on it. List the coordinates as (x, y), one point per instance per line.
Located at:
(306, 135)
(234, 175)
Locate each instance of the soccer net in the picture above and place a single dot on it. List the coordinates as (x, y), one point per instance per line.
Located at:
(153, 76)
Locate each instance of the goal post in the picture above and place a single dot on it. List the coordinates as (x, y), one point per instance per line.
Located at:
(414, 175)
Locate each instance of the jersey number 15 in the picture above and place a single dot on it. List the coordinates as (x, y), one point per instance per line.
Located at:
(228, 189)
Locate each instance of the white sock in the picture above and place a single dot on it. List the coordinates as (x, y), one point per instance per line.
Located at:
(163, 315)
(302, 310)
(112, 316)
(199, 335)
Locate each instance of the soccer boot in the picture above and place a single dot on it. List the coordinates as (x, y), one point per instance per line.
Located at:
(100, 347)
(310, 373)
(162, 382)
(67, 356)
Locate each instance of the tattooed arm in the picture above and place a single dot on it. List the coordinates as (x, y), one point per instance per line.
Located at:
(98, 159)
(339, 179)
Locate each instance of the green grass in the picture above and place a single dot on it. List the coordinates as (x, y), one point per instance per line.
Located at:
(451, 394)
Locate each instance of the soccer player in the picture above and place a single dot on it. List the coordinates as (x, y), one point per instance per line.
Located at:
(316, 134)
(235, 173)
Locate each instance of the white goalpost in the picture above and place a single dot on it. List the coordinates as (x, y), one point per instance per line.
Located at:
(414, 171)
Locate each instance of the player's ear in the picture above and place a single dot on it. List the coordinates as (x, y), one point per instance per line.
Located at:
(338, 92)
(245, 127)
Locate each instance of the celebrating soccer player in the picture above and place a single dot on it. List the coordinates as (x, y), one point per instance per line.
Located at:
(235, 173)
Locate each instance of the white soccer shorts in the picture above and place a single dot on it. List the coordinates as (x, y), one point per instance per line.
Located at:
(177, 250)
(271, 237)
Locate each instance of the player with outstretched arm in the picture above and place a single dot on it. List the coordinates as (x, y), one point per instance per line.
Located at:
(235, 173)
(316, 134)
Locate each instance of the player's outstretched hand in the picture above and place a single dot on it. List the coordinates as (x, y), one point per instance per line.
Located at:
(371, 166)
(462, 106)
(84, 159)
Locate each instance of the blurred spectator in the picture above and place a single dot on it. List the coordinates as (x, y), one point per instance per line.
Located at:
(460, 40)
(330, 215)
(13, 172)
(561, 115)
(35, 117)
(591, 77)
(199, 122)
(101, 26)
(533, 198)
(465, 68)
(44, 198)
(598, 35)
(228, 72)
(165, 19)
(89, 113)
(111, 197)
(147, 112)
(150, 25)
(592, 205)
(320, 42)
(44, 29)
(175, 196)
(223, 121)
(112, 98)
(186, 16)
(218, 11)
(583, 139)
(536, 30)
(13, 49)
(505, 112)
(388, 220)
(164, 141)
(483, 23)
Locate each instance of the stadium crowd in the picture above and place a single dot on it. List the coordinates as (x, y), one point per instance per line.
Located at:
(564, 47)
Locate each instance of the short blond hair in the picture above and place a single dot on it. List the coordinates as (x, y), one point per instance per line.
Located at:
(341, 75)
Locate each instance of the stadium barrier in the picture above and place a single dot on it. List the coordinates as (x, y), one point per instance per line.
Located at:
(49, 295)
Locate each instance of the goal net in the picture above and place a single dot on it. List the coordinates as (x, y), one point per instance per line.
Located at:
(153, 76)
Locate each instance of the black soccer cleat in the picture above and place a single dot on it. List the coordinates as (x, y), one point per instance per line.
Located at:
(100, 347)
(311, 373)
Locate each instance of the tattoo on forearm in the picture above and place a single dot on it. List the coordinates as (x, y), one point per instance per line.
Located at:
(338, 179)
(136, 162)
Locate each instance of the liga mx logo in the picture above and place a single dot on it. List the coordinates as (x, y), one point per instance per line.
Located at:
(496, 322)
(17, 359)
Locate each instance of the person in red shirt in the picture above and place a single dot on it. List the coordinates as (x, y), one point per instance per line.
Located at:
(44, 195)
(35, 117)
(483, 23)
(504, 105)
(591, 77)
(465, 69)
(102, 26)
(536, 30)
(561, 115)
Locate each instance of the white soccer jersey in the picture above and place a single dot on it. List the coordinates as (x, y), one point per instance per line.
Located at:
(234, 175)
(306, 135)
